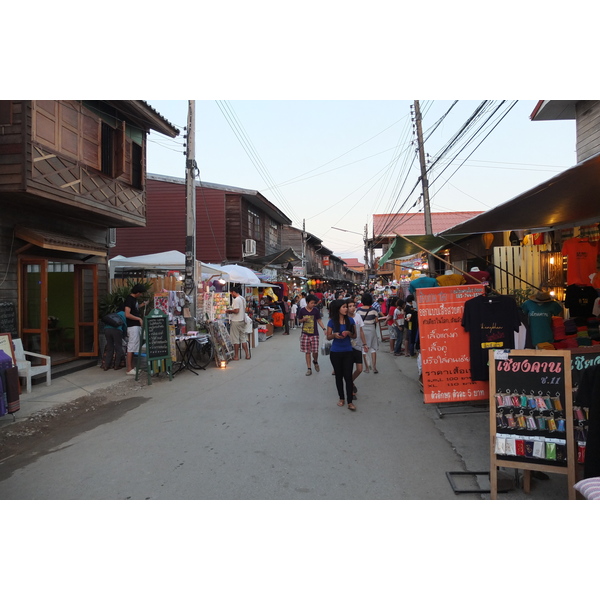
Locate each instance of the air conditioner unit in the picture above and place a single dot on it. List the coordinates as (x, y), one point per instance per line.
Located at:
(249, 247)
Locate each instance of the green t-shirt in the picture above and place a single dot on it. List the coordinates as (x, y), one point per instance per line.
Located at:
(540, 320)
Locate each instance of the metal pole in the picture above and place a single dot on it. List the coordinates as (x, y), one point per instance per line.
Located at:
(424, 182)
(190, 189)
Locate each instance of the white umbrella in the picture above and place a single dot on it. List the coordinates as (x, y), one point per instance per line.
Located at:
(239, 274)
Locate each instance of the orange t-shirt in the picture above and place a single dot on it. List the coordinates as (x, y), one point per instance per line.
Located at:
(582, 256)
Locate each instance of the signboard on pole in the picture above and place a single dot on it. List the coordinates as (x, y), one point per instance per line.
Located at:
(445, 354)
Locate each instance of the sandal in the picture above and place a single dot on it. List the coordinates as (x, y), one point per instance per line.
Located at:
(351, 406)
(375, 371)
(309, 372)
(317, 368)
(341, 402)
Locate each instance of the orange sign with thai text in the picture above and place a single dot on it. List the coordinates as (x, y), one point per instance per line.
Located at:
(445, 355)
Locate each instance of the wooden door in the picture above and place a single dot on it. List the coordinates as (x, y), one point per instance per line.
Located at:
(33, 304)
(86, 310)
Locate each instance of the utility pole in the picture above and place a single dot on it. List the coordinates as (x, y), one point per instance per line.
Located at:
(366, 258)
(190, 195)
(304, 250)
(424, 182)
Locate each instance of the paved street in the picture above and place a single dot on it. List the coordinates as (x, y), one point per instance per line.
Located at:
(261, 429)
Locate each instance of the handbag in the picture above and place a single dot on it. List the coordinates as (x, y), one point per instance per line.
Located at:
(325, 347)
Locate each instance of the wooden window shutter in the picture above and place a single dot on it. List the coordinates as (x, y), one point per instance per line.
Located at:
(45, 122)
(120, 151)
(90, 147)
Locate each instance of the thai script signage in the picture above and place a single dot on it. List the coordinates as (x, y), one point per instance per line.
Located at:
(445, 357)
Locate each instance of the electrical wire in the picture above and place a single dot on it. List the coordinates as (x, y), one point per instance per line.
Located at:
(248, 147)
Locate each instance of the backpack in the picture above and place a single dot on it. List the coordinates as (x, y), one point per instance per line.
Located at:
(113, 319)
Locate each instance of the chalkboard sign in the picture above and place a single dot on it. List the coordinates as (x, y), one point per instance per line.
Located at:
(8, 318)
(581, 359)
(531, 408)
(157, 337)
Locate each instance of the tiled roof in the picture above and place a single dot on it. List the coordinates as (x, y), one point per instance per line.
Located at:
(414, 223)
(353, 263)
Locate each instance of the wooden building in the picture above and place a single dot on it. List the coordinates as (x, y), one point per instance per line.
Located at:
(71, 172)
(232, 224)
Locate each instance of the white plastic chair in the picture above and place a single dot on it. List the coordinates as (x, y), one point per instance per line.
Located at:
(26, 369)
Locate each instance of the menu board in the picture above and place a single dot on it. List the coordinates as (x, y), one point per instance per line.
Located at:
(8, 318)
(531, 408)
(445, 354)
(157, 338)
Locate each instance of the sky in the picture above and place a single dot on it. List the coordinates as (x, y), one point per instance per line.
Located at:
(332, 164)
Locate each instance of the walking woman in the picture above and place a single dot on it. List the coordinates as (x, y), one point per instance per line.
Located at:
(369, 315)
(341, 330)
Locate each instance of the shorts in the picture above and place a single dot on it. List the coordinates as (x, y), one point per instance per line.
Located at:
(357, 357)
(309, 343)
(237, 331)
(133, 338)
(393, 332)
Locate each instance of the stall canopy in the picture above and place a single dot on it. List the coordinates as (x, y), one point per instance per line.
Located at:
(283, 256)
(403, 246)
(161, 261)
(569, 199)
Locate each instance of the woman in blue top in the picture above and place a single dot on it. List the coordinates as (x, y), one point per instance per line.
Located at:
(341, 330)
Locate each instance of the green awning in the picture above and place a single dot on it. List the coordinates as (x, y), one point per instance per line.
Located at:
(403, 246)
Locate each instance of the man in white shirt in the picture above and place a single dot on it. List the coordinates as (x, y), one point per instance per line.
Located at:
(237, 314)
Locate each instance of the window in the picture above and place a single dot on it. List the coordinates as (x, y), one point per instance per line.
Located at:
(5, 112)
(273, 234)
(254, 225)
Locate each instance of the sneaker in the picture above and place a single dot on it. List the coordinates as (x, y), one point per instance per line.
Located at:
(308, 372)
(132, 372)
(317, 368)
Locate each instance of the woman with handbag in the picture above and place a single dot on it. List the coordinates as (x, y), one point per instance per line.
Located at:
(369, 315)
(341, 331)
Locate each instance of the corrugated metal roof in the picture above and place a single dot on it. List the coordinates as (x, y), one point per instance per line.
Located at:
(567, 200)
(389, 225)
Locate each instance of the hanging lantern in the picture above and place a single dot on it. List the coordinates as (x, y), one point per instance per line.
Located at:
(488, 240)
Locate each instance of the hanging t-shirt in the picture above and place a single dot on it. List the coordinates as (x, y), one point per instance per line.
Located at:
(540, 320)
(454, 279)
(579, 299)
(479, 277)
(582, 256)
(491, 322)
(422, 282)
(309, 327)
